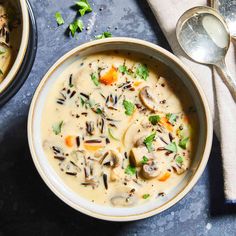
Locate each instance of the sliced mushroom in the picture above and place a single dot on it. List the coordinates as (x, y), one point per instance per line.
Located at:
(151, 170)
(148, 98)
(130, 132)
(115, 174)
(179, 169)
(123, 200)
(114, 159)
(137, 154)
(140, 142)
(133, 133)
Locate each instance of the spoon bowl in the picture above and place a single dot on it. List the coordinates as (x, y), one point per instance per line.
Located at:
(204, 36)
(227, 9)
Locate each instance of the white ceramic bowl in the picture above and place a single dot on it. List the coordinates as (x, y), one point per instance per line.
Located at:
(64, 192)
(22, 6)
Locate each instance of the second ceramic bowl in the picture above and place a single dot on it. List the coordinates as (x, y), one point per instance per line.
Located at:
(20, 48)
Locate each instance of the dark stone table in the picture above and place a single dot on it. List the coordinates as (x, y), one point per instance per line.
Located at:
(27, 206)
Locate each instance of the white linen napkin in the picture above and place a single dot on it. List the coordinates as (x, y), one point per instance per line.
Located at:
(221, 103)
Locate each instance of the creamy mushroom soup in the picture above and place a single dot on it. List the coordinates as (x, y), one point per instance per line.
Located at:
(118, 129)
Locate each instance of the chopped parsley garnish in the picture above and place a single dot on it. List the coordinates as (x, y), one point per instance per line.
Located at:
(142, 72)
(149, 140)
(145, 160)
(98, 111)
(82, 101)
(77, 24)
(104, 35)
(59, 18)
(57, 127)
(129, 107)
(122, 69)
(111, 135)
(95, 79)
(171, 118)
(146, 196)
(179, 160)
(1, 73)
(183, 142)
(130, 170)
(80, 24)
(172, 147)
(84, 7)
(154, 119)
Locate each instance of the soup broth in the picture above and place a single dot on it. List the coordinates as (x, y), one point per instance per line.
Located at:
(118, 129)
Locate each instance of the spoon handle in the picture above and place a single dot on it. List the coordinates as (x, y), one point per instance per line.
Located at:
(228, 80)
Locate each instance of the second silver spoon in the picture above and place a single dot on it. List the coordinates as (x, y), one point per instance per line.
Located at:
(204, 36)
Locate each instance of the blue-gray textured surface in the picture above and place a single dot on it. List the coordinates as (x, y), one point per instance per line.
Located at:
(27, 206)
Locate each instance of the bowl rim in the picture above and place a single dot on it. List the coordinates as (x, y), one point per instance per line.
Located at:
(22, 49)
(208, 119)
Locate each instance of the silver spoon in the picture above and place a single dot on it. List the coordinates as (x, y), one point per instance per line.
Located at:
(227, 9)
(204, 36)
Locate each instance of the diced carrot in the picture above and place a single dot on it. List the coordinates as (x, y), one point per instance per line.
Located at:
(137, 83)
(69, 140)
(166, 124)
(165, 176)
(110, 77)
(93, 148)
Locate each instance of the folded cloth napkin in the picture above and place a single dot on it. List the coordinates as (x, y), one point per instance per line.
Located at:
(221, 103)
